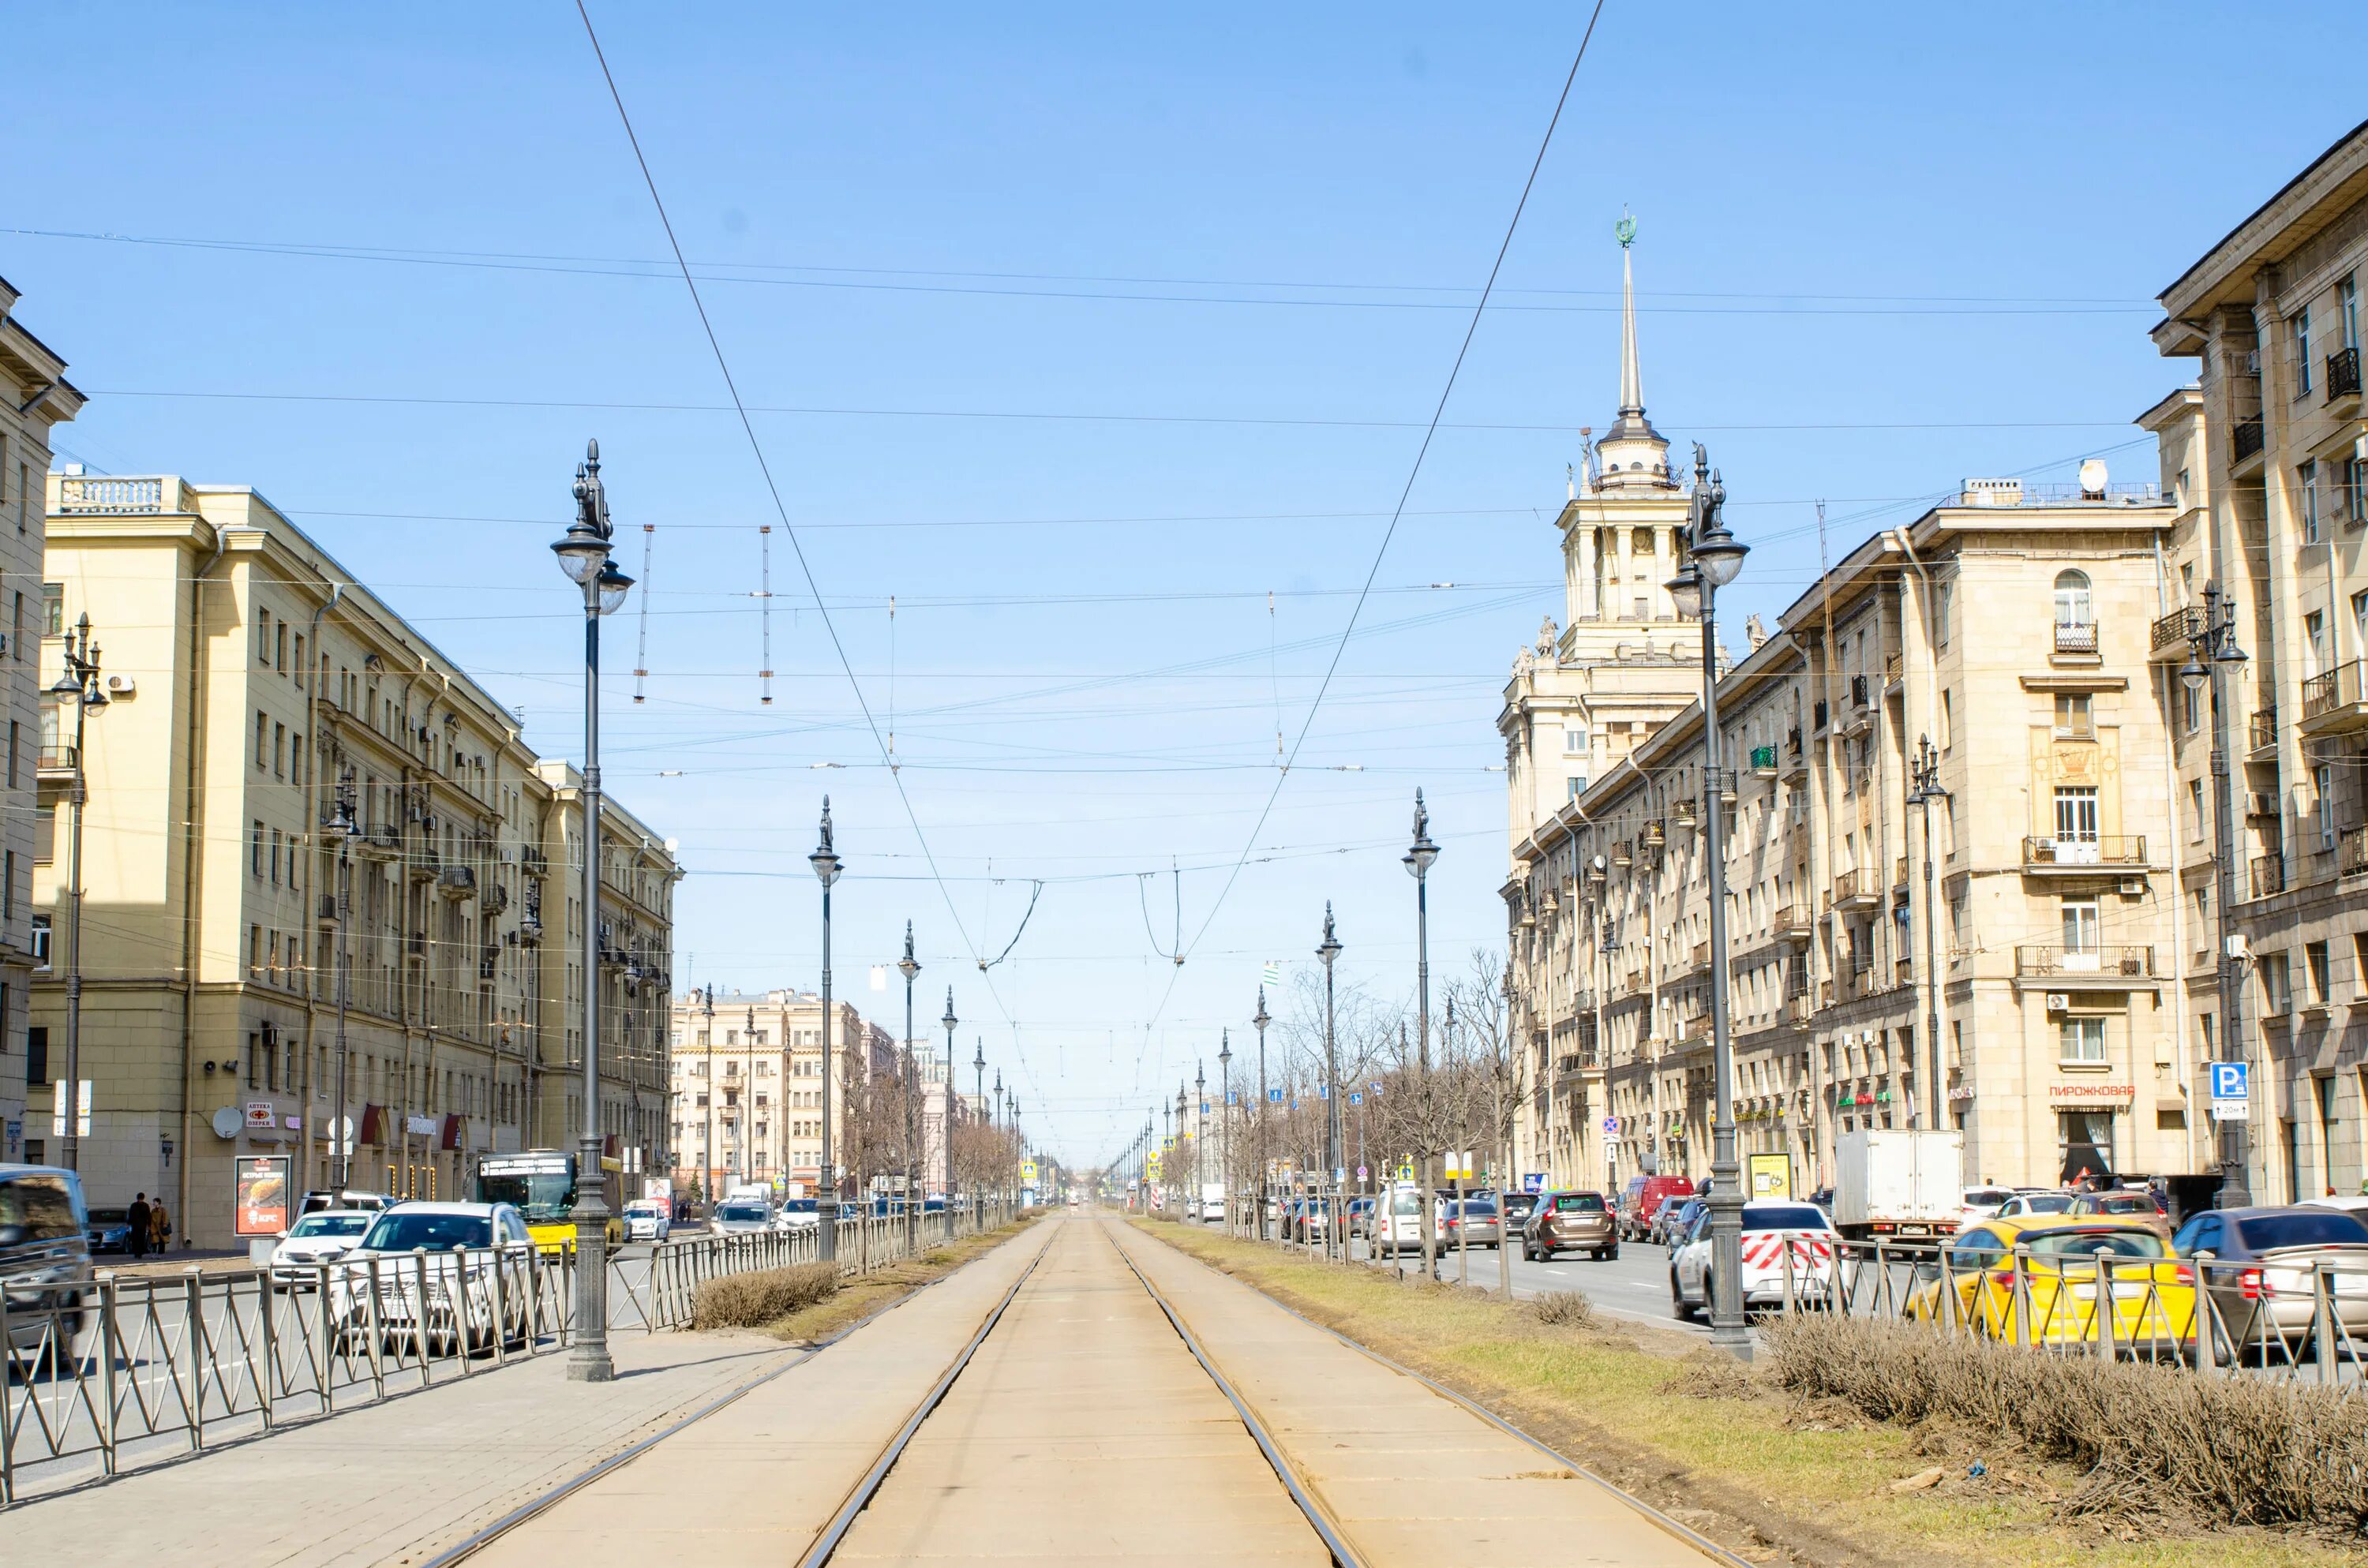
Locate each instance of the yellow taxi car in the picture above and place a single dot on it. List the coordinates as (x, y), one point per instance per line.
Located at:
(2050, 1296)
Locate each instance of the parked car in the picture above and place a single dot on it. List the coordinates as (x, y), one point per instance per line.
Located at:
(1772, 1232)
(109, 1230)
(1473, 1223)
(476, 1274)
(321, 1199)
(2053, 1299)
(1570, 1222)
(2263, 1280)
(1980, 1203)
(646, 1220)
(319, 1237)
(2036, 1203)
(1640, 1202)
(45, 1263)
(741, 1216)
(2133, 1203)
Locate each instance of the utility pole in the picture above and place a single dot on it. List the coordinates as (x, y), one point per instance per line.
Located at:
(946, 1120)
(1924, 788)
(79, 684)
(978, 1183)
(909, 967)
(2215, 641)
(1418, 859)
(1260, 1022)
(1330, 951)
(1225, 1121)
(825, 863)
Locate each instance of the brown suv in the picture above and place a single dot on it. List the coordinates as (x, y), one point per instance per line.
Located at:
(1569, 1222)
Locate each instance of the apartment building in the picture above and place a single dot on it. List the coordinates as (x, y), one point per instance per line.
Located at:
(34, 397)
(2267, 454)
(747, 1090)
(2011, 627)
(328, 886)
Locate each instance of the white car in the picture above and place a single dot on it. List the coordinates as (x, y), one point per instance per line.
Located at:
(740, 1217)
(1770, 1232)
(319, 1237)
(455, 1276)
(1396, 1223)
(2033, 1201)
(1979, 1203)
(646, 1222)
(798, 1214)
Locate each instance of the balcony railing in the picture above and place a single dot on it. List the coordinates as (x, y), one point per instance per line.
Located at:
(1763, 761)
(93, 493)
(2074, 852)
(1851, 885)
(2245, 440)
(1797, 1011)
(2076, 636)
(2269, 875)
(2351, 852)
(1789, 921)
(2178, 627)
(2337, 688)
(57, 761)
(2262, 730)
(2077, 964)
(2343, 374)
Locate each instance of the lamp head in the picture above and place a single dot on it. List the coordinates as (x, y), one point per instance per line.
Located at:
(908, 966)
(824, 859)
(1420, 855)
(1686, 591)
(1225, 1050)
(949, 1020)
(2192, 676)
(1330, 948)
(1261, 1019)
(612, 585)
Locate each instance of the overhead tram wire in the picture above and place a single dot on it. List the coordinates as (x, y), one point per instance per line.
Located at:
(1405, 493)
(772, 487)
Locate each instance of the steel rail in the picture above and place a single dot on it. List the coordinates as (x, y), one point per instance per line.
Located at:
(1690, 1536)
(548, 1498)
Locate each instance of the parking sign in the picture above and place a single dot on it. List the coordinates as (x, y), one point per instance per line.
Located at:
(2232, 1091)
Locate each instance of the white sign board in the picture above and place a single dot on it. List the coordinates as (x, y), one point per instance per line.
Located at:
(2232, 1091)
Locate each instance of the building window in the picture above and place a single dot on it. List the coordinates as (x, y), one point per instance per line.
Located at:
(53, 609)
(2314, 965)
(2322, 784)
(2085, 1139)
(1578, 786)
(2302, 351)
(262, 741)
(2075, 716)
(2080, 926)
(2081, 1040)
(2074, 606)
(2191, 709)
(2075, 822)
(40, 941)
(2314, 634)
(2195, 809)
(2306, 497)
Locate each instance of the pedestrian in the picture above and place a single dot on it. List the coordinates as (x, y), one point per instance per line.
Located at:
(160, 1226)
(139, 1217)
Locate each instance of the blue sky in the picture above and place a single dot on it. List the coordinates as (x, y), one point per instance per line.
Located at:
(1085, 332)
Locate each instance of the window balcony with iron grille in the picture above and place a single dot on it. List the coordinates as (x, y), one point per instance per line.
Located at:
(2343, 375)
(2351, 852)
(2268, 875)
(2106, 968)
(2262, 731)
(2076, 636)
(1856, 889)
(1790, 923)
(2246, 439)
(2172, 636)
(2336, 701)
(2041, 855)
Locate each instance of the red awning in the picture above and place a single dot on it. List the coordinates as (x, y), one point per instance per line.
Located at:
(373, 1125)
(452, 1138)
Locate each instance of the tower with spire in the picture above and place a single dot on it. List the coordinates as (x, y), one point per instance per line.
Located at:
(1582, 695)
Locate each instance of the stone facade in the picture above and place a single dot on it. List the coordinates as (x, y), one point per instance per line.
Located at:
(747, 1084)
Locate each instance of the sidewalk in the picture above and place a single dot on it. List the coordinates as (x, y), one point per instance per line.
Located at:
(394, 1480)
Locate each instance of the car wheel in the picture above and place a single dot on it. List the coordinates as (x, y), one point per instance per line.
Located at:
(1611, 1253)
(1678, 1307)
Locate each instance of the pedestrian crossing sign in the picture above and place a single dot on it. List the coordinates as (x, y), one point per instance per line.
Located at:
(1355, 1097)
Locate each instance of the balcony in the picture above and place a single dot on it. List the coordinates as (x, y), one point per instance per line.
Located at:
(2269, 875)
(1619, 856)
(2075, 637)
(2262, 731)
(1856, 889)
(1763, 761)
(2343, 375)
(457, 881)
(534, 862)
(1790, 923)
(1653, 837)
(1899, 873)
(1702, 959)
(2173, 634)
(1694, 1030)
(415, 946)
(1895, 670)
(324, 909)
(380, 843)
(2351, 852)
(2043, 855)
(425, 865)
(56, 763)
(93, 494)
(2095, 967)
(1797, 1013)
(2336, 701)
(2245, 440)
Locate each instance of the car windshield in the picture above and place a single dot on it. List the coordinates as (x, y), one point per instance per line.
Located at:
(1987, 1196)
(1406, 1205)
(38, 1207)
(2123, 1203)
(2331, 1227)
(401, 1230)
(2084, 1244)
(1578, 1203)
(110, 1216)
(741, 1212)
(2045, 1203)
(1783, 1217)
(799, 1206)
(540, 1197)
(331, 1225)
(642, 1210)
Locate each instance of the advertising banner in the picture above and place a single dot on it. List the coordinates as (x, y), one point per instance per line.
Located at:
(261, 1205)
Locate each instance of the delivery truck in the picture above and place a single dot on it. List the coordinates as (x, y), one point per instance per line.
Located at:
(1898, 1183)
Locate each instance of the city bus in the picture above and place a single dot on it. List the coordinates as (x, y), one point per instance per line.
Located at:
(541, 1184)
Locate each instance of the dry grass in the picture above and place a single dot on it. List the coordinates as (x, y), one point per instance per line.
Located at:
(1774, 1476)
(1562, 1309)
(2237, 1448)
(750, 1301)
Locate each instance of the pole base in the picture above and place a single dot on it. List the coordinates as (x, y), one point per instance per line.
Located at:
(587, 1363)
(1734, 1339)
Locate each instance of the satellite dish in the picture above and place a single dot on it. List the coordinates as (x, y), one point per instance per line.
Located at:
(2092, 478)
(227, 1121)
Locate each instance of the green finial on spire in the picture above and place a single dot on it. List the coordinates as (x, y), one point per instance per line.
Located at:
(1625, 229)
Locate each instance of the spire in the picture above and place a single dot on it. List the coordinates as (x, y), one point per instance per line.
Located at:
(1632, 380)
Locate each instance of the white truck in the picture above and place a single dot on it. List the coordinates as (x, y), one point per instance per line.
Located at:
(1898, 1183)
(1212, 1202)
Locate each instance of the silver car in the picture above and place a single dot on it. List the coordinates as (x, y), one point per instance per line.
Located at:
(44, 1261)
(1476, 1226)
(741, 1216)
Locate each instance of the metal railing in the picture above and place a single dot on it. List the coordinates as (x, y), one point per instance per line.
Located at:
(2076, 636)
(2343, 374)
(2261, 729)
(2179, 626)
(2107, 851)
(2075, 963)
(2338, 688)
(2269, 875)
(2304, 1319)
(132, 1370)
(2246, 439)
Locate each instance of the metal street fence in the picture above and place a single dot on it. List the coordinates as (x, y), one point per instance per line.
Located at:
(2301, 1318)
(137, 1369)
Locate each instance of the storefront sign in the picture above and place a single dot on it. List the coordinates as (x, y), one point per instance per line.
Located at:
(259, 1114)
(1961, 1093)
(260, 1207)
(2091, 1094)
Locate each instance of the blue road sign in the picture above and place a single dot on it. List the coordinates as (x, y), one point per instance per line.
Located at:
(1274, 1096)
(2231, 1081)
(1356, 1098)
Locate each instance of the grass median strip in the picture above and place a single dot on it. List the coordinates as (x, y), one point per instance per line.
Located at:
(1775, 1475)
(829, 1312)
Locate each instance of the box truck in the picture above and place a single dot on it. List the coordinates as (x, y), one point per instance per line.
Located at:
(1892, 1182)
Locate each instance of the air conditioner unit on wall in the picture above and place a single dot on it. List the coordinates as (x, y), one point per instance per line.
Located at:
(2134, 887)
(2059, 1002)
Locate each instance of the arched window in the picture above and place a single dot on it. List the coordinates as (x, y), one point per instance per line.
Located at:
(2073, 605)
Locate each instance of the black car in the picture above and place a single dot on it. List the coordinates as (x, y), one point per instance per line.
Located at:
(109, 1230)
(1518, 1207)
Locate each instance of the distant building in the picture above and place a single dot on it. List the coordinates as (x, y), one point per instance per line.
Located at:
(747, 1090)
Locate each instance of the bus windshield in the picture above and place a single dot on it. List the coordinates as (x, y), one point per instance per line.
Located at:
(542, 1196)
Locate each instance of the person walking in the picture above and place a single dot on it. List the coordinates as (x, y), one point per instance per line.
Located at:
(140, 1217)
(160, 1226)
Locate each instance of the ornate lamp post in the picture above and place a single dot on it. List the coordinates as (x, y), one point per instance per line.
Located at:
(339, 828)
(707, 1065)
(978, 1179)
(1225, 1121)
(584, 555)
(1713, 556)
(80, 685)
(946, 1121)
(826, 864)
(1924, 787)
(1200, 1136)
(2213, 641)
(909, 967)
(1330, 951)
(1419, 858)
(1260, 1022)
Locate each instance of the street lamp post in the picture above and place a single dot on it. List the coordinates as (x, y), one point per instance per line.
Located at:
(708, 1172)
(908, 966)
(1924, 788)
(336, 831)
(1200, 1136)
(946, 1116)
(2214, 642)
(1260, 1022)
(826, 864)
(1418, 859)
(80, 685)
(584, 555)
(1225, 1121)
(1329, 950)
(978, 1182)
(1713, 556)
